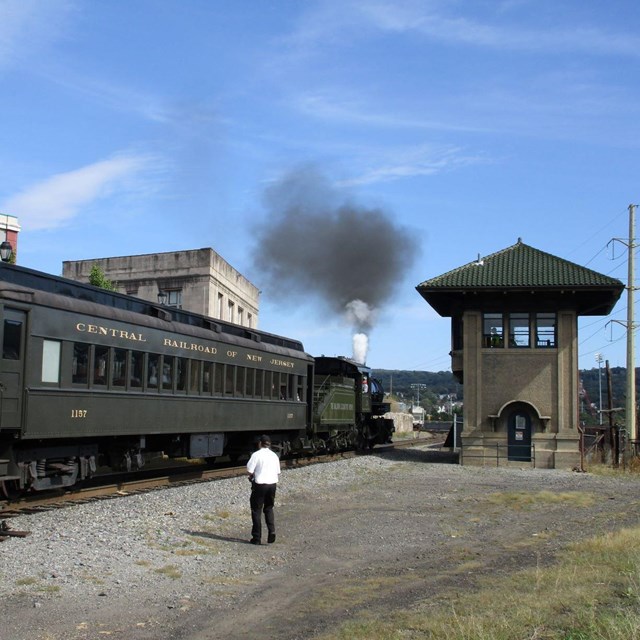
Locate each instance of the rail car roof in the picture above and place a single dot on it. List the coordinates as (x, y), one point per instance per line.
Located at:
(85, 293)
(328, 366)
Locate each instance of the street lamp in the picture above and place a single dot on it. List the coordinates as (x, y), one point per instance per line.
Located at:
(6, 250)
(599, 361)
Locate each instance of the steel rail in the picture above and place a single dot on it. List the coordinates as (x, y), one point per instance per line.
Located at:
(176, 477)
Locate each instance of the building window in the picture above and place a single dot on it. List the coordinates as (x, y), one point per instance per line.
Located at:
(240, 315)
(231, 311)
(249, 320)
(493, 330)
(174, 298)
(546, 335)
(519, 332)
(220, 306)
(519, 326)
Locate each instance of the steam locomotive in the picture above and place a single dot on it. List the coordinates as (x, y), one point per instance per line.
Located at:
(93, 380)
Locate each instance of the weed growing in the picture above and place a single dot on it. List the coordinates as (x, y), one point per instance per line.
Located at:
(592, 593)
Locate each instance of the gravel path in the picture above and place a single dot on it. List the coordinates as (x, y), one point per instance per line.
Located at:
(362, 534)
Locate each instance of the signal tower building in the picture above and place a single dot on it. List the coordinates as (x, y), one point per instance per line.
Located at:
(514, 328)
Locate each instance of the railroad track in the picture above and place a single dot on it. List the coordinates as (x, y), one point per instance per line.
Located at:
(171, 477)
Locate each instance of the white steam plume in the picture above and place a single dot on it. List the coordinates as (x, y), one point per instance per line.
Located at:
(361, 317)
(360, 347)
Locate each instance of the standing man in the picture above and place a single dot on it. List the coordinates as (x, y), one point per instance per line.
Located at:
(264, 469)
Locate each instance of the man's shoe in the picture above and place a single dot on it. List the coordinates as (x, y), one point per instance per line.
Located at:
(255, 541)
(272, 538)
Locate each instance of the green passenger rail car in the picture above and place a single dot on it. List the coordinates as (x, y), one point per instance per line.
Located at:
(93, 380)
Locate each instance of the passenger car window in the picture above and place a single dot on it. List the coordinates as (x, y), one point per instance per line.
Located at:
(50, 361)
(101, 360)
(80, 366)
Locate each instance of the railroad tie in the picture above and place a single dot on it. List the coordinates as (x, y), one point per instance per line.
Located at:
(6, 531)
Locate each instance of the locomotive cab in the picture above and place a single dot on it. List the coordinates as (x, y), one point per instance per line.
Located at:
(348, 404)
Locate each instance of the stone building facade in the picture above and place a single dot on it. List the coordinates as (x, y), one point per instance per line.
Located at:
(197, 280)
(514, 321)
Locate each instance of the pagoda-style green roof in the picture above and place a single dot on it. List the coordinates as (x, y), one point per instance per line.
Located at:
(528, 278)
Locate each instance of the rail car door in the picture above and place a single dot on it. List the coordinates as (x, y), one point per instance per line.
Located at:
(12, 367)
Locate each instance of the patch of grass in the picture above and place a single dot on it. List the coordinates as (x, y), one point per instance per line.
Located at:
(50, 589)
(223, 514)
(527, 500)
(170, 570)
(630, 469)
(592, 593)
(353, 593)
(24, 582)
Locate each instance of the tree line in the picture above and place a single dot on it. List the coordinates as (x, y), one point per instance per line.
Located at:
(435, 388)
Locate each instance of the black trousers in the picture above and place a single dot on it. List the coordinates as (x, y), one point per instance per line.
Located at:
(263, 498)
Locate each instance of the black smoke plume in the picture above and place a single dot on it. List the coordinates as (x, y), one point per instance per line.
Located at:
(316, 244)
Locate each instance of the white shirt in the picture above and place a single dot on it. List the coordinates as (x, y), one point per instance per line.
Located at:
(264, 464)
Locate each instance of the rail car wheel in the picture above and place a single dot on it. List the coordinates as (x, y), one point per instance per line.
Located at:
(9, 489)
(210, 461)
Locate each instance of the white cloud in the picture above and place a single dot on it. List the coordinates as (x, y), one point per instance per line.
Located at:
(391, 164)
(338, 109)
(111, 94)
(325, 23)
(28, 26)
(57, 200)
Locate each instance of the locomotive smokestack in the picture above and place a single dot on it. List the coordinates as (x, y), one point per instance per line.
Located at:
(349, 257)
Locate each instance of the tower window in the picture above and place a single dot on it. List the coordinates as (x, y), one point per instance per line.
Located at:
(493, 330)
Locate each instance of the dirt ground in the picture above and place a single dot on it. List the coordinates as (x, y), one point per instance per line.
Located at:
(417, 528)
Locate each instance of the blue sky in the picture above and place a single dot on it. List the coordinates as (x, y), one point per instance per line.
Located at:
(157, 125)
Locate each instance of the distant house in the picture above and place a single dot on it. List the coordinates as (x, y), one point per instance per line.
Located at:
(418, 415)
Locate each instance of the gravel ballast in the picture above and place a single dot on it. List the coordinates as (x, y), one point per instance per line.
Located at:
(176, 563)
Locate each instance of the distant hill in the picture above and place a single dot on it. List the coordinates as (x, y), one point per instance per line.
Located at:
(436, 385)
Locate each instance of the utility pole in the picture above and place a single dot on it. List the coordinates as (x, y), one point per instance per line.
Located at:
(630, 406)
(599, 361)
(631, 366)
(417, 387)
